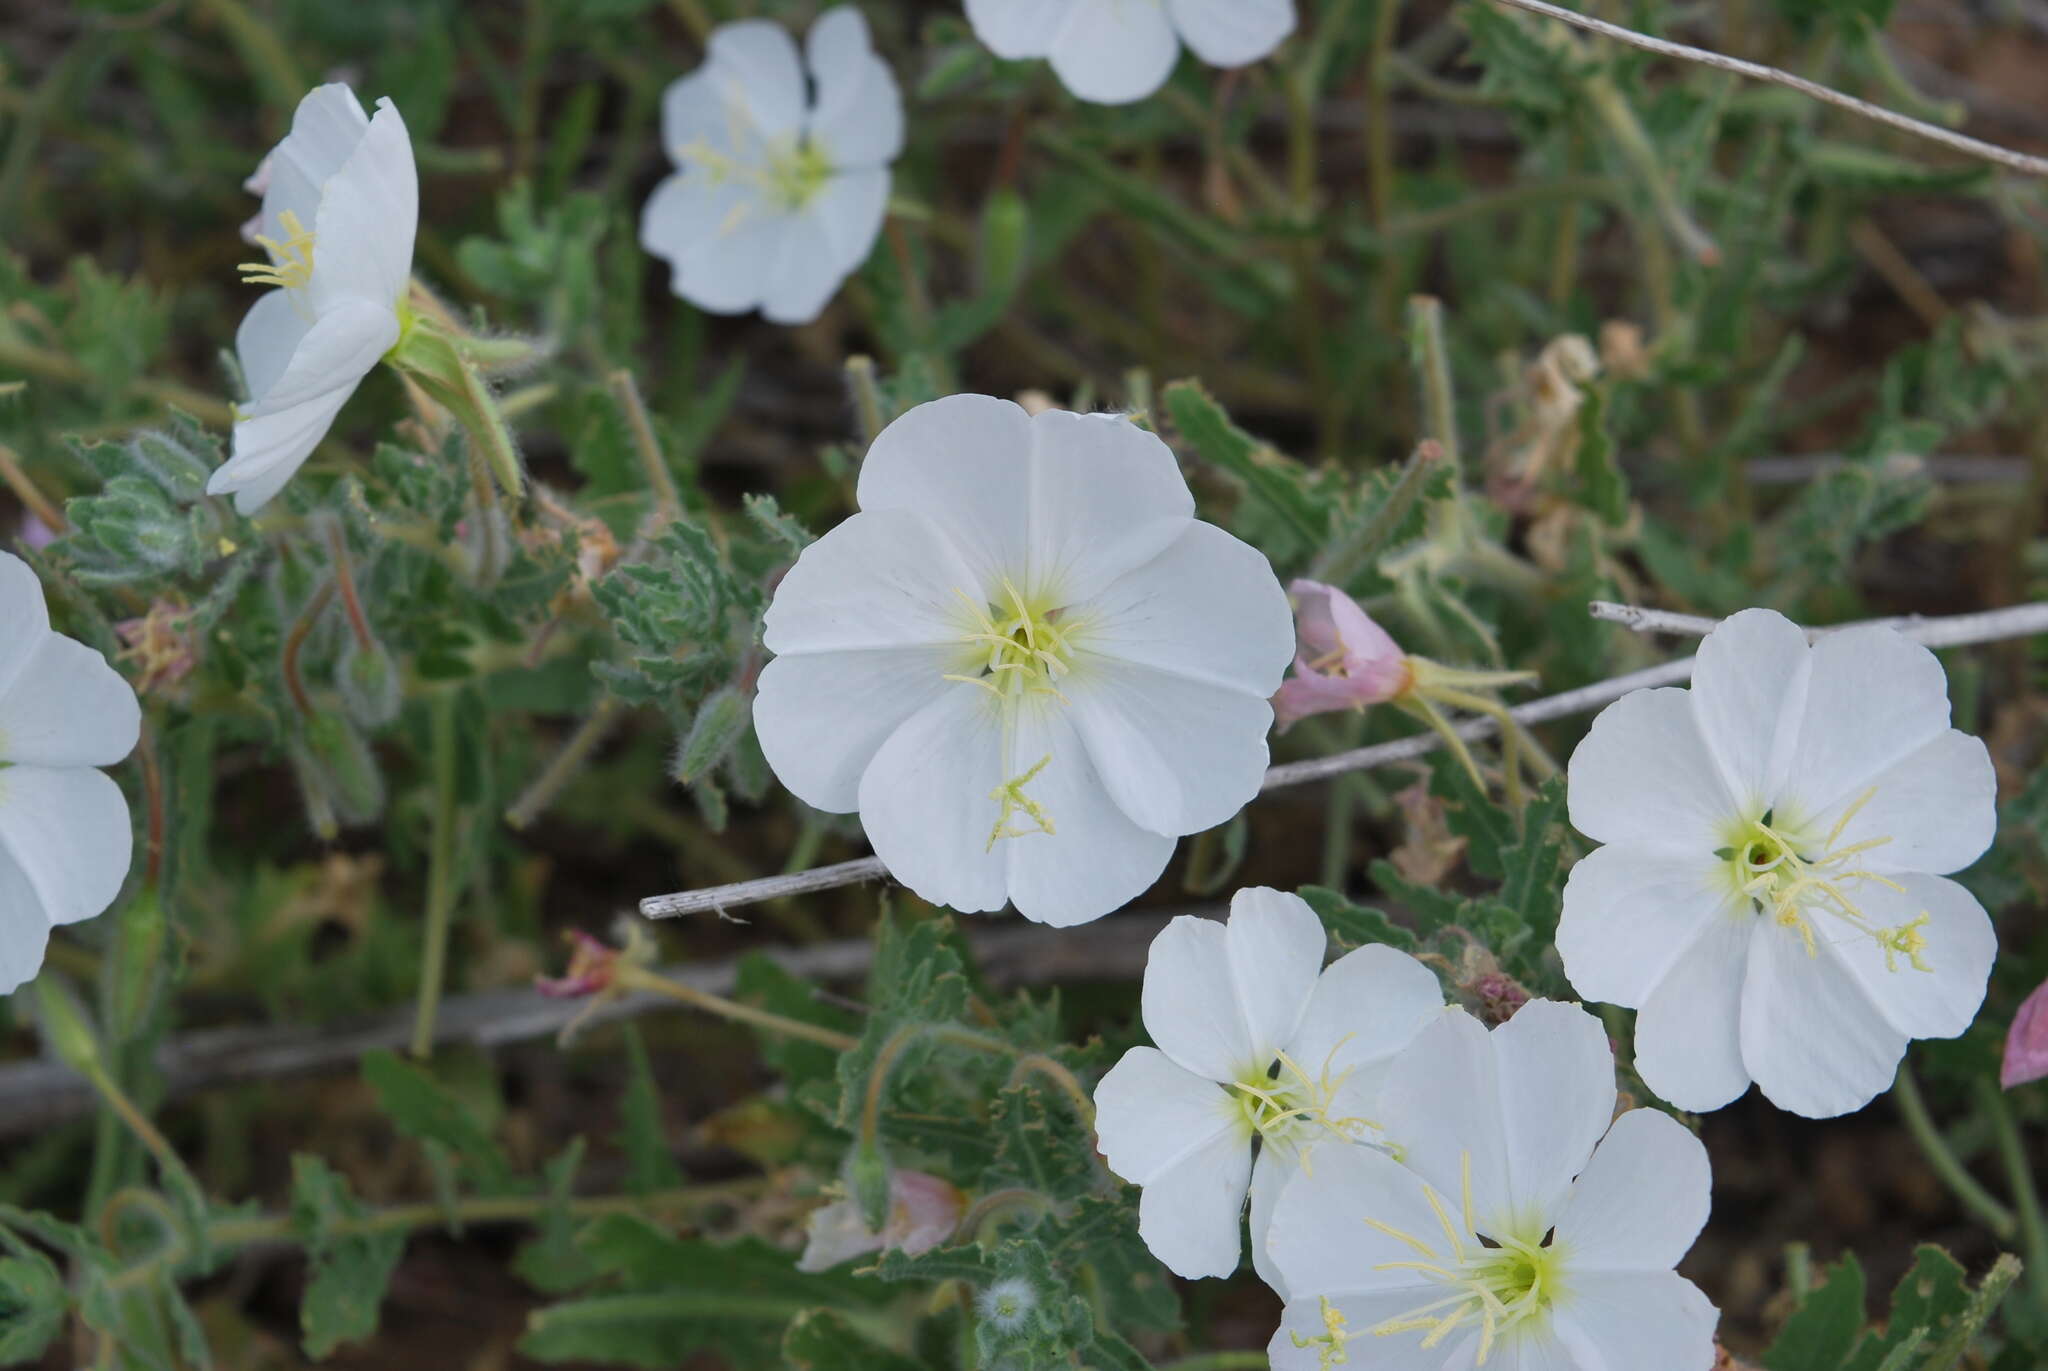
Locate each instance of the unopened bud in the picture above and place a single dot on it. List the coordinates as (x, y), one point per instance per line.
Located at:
(66, 1027)
(720, 721)
(346, 768)
(368, 682)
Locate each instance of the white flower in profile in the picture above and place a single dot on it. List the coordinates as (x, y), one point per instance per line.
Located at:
(1510, 1233)
(1025, 661)
(1770, 896)
(64, 832)
(781, 189)
(1257, 1042)
(1112, 52)
(340, 206)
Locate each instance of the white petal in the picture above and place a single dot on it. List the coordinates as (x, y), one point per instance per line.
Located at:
(1016, 29)
(1811, 1037)
(1272, 1169)
(1191, 1215)
(697, 118)
(1641, 1201)
(369, 211)
(1526, 1103)
(1116, 53)
(722, 245)
(1557, 1097)
(1153, 1118)
(1294, 1346)
(68, 831)
(1106, 498)
(963, 462)
(760, 77)
(1223, 999)
(1689, 1032)
(1178, 756)
(1874, 699)
(1960, 947)
(1642, 776)
(822, 716)
(270, 333)
(1749, 694)
(24, 618)
(1637, 1319)
(1208, 608)
(924, 802)
(882, 578)
(1322, 1245)
(24, 926)
(1096, 860)
(67, 707)
(1630, 915)
(326, 127)
(857, 117)
(1230, 33)
(1935, 810)
(1366, 1007)
(274, 437)
(823, 244)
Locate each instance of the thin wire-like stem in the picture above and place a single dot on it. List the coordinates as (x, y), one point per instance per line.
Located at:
(1945, 1163)
(441, 883)
(660, 480)
(589, 735)
(2015, 161)
(2026, 1196)
(1957, 630)
(635, 978)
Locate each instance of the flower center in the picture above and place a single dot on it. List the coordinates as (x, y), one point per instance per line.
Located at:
(1793, 882)
(1287, 1104)
(1497, 1286)
(793, 175)
(1017, 647)
(291, 261)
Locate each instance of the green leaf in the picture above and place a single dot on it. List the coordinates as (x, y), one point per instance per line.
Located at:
(822, 1340)
(1824, 1329)
(1040, 1145)
(33, 1306)
(1862, 167)
(650, 1166)
(552, 1261)
(1602, 487)
(1354, 925)
(1529, 865)
(350, 1264)
(1276, 481)
(422, 1109)
(766, 985)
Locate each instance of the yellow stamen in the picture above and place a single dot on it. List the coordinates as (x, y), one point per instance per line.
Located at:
(1010, 795)
(1329, 1344)
(291, 262)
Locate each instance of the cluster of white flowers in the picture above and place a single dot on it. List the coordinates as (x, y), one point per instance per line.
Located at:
(1444, 1192)
(1115, 51)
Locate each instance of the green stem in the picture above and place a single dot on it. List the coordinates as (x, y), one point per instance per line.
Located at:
(535, 799)
(2020, 1177)
(1940, 1156)
(630, 977)
(225, 1234)
(441, 882)
(1379, 122)
(262, 52)
(1433, 365)
(626, 393)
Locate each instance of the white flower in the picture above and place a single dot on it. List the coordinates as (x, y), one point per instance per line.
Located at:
(781, 190)
(1115, 51)
(1025, 661)
(1257, 1041)
(1768, 896)
(1510, 1233)
(64, 834)
(340, 205)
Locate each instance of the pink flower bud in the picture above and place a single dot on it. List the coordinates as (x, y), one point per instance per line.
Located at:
(2026, 1046)
(591, 967)
(923, 1212)
(1343, 659)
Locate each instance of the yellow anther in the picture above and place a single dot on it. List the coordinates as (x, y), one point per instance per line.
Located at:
(1906, 940)
(291, 262)
(1329, 1344)
(1010, 795)
(1296, 1101)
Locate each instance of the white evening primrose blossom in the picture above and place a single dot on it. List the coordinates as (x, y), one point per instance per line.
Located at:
(1510, 1233)
(1112, 52)
(340, 206)
(1770, 896)
(64, 832)
(1259, 1044)
(1025, 661)
(782, 183)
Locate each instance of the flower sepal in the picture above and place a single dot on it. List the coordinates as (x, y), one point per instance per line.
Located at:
(450, 366)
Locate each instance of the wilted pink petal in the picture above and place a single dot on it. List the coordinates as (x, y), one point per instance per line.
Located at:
(923, 1212)
(2026, 1046)
(36, 533)
(1344, 660)
(591, 967)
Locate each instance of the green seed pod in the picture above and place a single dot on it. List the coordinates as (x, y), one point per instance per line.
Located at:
(867, 1176)
(369, 683)
(345, 767)
(720, 721)
(67, 1027)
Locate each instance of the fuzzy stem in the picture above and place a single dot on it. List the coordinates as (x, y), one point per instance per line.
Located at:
(1947, 1165)
(630, 977)
(441, 882)
(2026, 1198)
(564, 765)
(626, 394)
